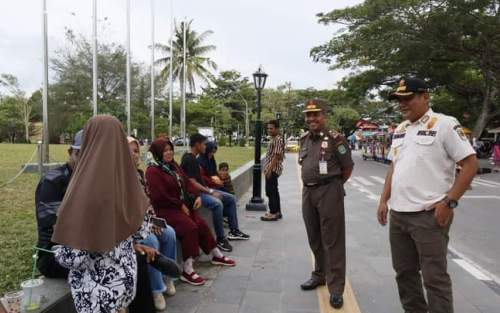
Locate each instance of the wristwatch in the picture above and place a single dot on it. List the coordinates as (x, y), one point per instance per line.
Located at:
(450, 202)
(210, 191)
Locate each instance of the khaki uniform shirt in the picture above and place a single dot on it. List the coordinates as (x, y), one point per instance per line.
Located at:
(424, 155)
(336, 154)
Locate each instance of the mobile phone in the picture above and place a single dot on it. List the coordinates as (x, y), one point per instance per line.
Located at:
(159, 222)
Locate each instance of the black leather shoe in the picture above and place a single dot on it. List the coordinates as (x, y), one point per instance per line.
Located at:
(166, 266)
(312, 284)
(336, 301)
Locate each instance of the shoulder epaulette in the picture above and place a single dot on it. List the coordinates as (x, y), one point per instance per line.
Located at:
(335, 134)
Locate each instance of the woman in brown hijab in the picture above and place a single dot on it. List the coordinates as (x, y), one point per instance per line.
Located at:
(102, 214)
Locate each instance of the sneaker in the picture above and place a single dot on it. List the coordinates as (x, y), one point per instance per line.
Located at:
(224, 261)
(159, 301)
(224, 245)
(170, 288)
(237, 235)
(192, 279)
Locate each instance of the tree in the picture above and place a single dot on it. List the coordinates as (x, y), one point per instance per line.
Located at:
(454, 44)
(198, 65)
(25, 106)
(11, 126)
(70, 95)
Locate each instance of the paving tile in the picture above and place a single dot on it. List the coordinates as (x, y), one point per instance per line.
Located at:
(261, 302)
(218, 308)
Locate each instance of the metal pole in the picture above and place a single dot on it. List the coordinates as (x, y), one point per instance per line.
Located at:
(94, 56)
(128, 68)
(45, 94)
(247, 124)
(39, 148)
(152, 71)
(171, 75)
(257, 202)
(184, 69)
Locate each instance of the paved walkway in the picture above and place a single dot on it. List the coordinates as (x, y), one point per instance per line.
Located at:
(277, 259)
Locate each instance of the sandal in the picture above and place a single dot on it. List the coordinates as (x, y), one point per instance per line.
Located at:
(268, 217)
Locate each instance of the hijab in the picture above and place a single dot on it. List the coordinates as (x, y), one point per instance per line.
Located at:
(209, 165)
(104, 203)
(140, 173)
(171, 168)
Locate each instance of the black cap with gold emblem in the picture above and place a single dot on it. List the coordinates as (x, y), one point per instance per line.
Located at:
(316, 105)
(408, 87)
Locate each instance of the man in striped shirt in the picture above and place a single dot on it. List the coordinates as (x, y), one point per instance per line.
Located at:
(272, 170)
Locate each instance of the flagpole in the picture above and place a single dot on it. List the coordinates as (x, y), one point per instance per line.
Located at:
(184, 69)
(152, 71)
(94, 56)
(128, 67)
(171, 76)
(45, 93)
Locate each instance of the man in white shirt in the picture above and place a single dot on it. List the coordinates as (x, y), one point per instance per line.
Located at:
(421, 191)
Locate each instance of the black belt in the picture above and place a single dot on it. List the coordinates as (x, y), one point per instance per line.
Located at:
(323, 182)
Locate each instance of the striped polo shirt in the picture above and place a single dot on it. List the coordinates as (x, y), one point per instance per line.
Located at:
(276, 151)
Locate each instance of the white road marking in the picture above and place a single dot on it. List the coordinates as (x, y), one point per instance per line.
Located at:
(497, 184)
(472, 270)
(484, 184)
(370, 195)
(378, 179)
(484, 273)
(363, 181)
(482, 197)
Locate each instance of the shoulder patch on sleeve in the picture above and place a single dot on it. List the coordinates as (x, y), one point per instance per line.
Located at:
(342, 149)
(455, 124)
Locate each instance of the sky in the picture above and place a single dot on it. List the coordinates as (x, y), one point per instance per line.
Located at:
(277, 34)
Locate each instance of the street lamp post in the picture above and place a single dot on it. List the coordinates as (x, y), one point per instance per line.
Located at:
(257, 203)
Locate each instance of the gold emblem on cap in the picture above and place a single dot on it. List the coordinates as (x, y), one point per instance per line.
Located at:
(402, 86)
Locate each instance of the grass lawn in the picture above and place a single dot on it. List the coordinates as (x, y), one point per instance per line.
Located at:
(17, 217)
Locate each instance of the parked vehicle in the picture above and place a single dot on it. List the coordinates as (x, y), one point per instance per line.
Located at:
(207, 132)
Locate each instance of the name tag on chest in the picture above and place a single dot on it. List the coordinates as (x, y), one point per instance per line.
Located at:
(323, 168)
(427, 133)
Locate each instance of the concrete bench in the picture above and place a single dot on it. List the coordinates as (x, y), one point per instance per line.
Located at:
(56, 293)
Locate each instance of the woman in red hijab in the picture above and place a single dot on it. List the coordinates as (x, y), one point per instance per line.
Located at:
(171, 194)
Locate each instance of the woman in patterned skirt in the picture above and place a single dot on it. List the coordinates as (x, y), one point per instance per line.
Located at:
(102, 214)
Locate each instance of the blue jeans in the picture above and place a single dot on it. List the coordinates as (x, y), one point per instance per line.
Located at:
(219, 208)
(166, 244)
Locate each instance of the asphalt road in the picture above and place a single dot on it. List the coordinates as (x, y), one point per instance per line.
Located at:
(475, 232)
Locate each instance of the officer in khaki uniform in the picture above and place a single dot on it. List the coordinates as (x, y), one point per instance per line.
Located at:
(421, 192)
(326, 164)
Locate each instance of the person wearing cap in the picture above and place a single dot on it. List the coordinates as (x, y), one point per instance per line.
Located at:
(48, 196)
(421, 193)
(326, 164)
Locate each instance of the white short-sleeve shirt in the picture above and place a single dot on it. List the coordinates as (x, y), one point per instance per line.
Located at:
(424, 155)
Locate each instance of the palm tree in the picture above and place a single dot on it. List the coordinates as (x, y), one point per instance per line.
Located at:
(198, 64)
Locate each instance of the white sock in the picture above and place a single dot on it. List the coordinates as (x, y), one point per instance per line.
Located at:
(216, 253)
(188, 266)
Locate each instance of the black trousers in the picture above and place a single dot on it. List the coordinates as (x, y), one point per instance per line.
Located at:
(143, 301)
(273, 194)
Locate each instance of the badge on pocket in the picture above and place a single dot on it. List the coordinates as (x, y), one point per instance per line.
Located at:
(323, 168)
